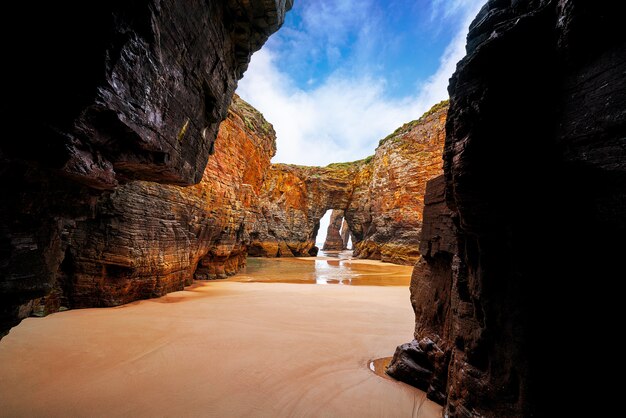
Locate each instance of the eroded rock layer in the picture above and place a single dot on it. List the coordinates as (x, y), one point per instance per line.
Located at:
(131, 91)
(389, 209)
(517, 255)
(381, 197)
(293, 200)
(346, 234)
(148, 239)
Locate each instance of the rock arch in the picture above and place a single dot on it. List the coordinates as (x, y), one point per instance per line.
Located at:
(382, 197)
(293, 200)
(147, 239)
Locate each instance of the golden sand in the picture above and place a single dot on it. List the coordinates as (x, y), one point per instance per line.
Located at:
(217, 349)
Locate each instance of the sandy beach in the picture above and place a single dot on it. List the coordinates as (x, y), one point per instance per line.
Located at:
(217, 349)
(326, 271)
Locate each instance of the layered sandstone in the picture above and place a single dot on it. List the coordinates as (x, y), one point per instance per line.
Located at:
(535, 190)
(130, 91)
(393, 203)
(381, 197)
(293, 200)
(148, 239)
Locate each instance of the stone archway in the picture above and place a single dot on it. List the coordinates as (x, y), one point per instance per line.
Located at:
(293, 200)
(382, 197)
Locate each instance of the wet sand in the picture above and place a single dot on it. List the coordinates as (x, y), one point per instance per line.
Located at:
(329, 268)
(217, 349)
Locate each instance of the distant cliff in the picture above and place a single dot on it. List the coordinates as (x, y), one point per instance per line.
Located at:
(334, 235)
(381, 196)
(293, 200)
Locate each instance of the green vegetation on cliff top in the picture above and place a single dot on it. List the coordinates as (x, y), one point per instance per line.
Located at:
(345, 165)
(410, 125)
(252, 118)
(351, 163)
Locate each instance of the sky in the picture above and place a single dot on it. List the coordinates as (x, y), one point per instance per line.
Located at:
(342, 74)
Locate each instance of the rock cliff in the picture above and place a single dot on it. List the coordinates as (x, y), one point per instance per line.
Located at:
(424, 362)
(381, 196)
(131, 91)
(147, 239)
(391, 204)
(293, 200)
(526, 247)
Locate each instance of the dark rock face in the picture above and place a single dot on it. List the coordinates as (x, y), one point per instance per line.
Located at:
(144, 85)
(535, 176)
(334, 241)
(414, 362)
(431, 298)
(132, 90)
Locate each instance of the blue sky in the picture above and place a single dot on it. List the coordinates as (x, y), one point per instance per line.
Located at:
(341, 74)
(324, 38)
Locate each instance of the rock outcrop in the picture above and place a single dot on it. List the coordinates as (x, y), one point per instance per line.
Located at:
(293, 200)
(130, 91)
(381, 196)
(334, 241)
(391, 209)
(535, 191)
(424, 362)
(148, 239)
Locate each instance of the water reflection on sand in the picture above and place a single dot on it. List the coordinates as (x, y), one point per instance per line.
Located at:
(328, 268)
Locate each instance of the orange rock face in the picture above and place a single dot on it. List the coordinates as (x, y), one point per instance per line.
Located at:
(382, 196)
(148, 239)
(394, 194)
(293, 200)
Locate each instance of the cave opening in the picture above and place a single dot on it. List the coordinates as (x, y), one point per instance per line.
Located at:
(320, 238)
(334, 232)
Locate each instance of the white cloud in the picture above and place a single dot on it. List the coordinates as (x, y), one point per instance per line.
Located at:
(342, 117)
(447, 8)
(435, 89)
